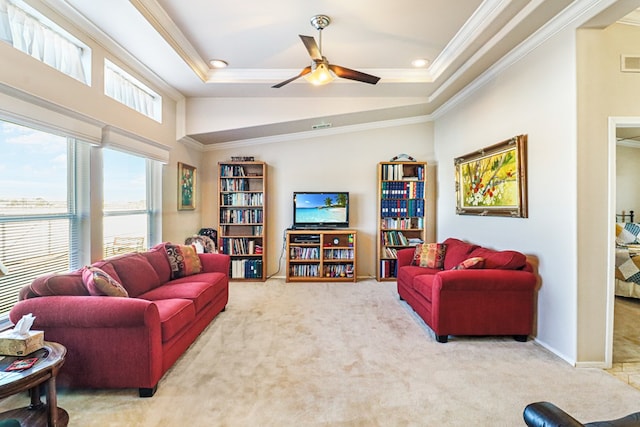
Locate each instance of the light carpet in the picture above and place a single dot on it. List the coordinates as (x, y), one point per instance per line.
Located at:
(327, 354)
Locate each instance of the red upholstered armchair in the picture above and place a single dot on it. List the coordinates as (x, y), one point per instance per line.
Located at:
(495, 297)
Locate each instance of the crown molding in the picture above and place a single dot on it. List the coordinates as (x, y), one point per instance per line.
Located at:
(317, 133)
(478, 22)
(164, 25)
(192, 143)
(555, 25)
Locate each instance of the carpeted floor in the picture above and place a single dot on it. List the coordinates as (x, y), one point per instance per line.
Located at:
(318, 354)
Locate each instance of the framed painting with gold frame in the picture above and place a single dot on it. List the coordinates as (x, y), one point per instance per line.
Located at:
(186, 187)
(493, 181)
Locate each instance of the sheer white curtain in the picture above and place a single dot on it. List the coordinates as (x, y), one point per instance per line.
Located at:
(5, 28)
(127, 92)
(31, 36)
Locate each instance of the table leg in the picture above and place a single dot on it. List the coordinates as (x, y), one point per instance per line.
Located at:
(35, 397)
(52, 402)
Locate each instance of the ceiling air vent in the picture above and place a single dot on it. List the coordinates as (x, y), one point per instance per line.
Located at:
(630, 63)
(321, 126)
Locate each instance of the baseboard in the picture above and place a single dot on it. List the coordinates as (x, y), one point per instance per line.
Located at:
(554, 351)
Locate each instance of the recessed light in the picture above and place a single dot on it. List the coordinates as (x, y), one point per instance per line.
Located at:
(420, 62)
(218, 63)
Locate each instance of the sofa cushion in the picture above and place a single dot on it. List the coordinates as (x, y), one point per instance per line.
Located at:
(424, 285)
(430, 255)
(407, 273)
(504, 260)
(58, 284)
(157, 257)
(457, 251)
(470, 263)
(135, 272)
(200, 293)
(100, 283)
(214, 277)
(183, 259)
(175, 315)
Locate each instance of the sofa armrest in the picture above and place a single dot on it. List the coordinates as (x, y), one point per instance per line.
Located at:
(87, 312)
(485, 280)
(545, 414)
(111, 342)
(405, 256)
(215, 263)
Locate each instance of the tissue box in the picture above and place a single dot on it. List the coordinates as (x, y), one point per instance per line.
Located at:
(15, 345)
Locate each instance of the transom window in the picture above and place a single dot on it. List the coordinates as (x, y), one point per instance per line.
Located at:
(126, 89)
(28, 30)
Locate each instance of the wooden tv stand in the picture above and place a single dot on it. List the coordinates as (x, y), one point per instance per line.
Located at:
(321, 255)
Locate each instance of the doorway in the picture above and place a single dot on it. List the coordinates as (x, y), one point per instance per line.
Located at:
(619, 128)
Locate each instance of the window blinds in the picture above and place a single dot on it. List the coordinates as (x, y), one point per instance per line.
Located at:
(31, 247)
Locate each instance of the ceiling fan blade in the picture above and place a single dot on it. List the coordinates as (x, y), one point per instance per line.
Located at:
(312, 47)
(305, 70)
(347, 73)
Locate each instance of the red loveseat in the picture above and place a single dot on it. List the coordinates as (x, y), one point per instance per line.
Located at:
(126, 342)
(495, 299)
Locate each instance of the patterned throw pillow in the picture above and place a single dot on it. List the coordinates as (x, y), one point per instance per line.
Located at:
(99, 283)
(470, 263)
(183, 259)
(430, 255)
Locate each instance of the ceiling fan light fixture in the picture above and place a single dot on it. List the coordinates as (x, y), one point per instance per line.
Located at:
(320, 71)
(320, 76)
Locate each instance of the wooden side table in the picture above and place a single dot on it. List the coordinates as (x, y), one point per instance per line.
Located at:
(51, 358)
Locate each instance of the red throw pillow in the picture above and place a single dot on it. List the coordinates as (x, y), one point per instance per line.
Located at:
(183, 259)
(430, 255)
(99, 283)
(470, 264)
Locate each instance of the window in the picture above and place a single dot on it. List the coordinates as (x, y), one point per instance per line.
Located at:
(126, 89)
(126, 211)
(38, 221)
(31, 32)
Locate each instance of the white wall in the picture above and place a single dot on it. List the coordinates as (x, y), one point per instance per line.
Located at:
(329, 161)
(535, 96)
(628, 181)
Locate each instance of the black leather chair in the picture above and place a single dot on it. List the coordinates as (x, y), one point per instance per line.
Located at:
(545, 414)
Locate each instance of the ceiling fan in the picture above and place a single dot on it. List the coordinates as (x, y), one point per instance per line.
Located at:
(321, 71)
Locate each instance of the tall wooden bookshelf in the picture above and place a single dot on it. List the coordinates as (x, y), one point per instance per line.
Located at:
(401, 212)
(242, 231)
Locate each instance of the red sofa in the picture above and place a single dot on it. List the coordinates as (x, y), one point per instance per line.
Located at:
(496, 299)
(126, 342)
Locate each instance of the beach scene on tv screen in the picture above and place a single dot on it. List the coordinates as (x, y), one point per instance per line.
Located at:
(321, 208)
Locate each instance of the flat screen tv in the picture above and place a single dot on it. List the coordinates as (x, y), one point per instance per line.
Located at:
(320, 209)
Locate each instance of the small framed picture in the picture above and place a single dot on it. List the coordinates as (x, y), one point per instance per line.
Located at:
(187, 176)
